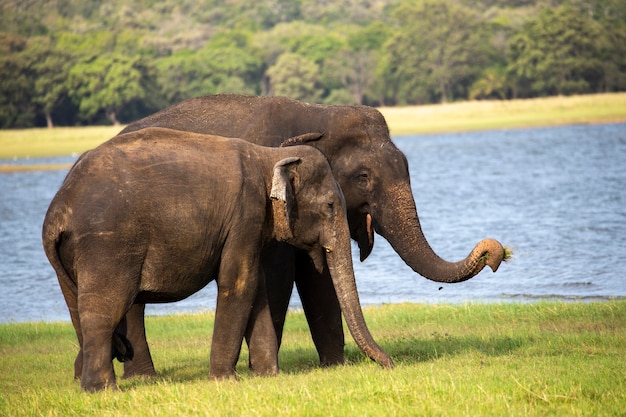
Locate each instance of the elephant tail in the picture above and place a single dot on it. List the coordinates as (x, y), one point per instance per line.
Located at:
(52, 242)
(55, 236)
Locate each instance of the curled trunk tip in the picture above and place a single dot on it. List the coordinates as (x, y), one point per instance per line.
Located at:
(491, 253)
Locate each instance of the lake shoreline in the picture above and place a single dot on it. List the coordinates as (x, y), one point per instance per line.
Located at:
(456, 117)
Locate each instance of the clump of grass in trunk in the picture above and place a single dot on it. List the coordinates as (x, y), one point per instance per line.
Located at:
(508, 254)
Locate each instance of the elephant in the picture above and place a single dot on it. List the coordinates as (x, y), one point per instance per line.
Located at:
(154, 215)
(374, 177)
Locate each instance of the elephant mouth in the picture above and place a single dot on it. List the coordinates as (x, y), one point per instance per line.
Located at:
(318, 258)
(362, 231)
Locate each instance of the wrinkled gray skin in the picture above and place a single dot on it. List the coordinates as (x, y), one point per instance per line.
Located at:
(154, 215)
(373, 174)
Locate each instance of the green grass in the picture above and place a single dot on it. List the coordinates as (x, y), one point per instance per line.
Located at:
(540, 359)
(453, 117)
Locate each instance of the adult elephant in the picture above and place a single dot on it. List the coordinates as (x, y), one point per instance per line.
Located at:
(154, 215)
(374, 176)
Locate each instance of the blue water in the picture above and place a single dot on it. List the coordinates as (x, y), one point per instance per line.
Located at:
(557, 196)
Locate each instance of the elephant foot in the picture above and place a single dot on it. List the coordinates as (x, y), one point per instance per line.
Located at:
(265, 371)
(223, 376)
(264, 363)
(331, 354)
(138, 371)
(335, 360)
(99, 387)
(98, 384)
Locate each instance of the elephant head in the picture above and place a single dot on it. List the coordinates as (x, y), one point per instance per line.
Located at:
(309, 213)
(374, 176)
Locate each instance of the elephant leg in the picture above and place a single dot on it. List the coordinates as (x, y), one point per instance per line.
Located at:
(101, 307)
(261, 336)
(322, 310)
(279, 270)
(133, 328)
(72, 305)
(97, 321)
(237, 285)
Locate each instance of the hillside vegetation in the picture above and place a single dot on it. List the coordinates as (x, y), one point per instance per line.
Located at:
(79, 62)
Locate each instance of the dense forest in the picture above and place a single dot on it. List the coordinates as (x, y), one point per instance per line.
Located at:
(76, 62)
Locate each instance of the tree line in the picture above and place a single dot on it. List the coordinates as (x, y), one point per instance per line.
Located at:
(75, 62)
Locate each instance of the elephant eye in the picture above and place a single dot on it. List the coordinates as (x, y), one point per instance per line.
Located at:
(363, 179)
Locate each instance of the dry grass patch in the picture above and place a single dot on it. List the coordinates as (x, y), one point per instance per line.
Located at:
(485, 115)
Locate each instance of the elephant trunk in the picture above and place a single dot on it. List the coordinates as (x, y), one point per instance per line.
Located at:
(403, 231)
(339, 263)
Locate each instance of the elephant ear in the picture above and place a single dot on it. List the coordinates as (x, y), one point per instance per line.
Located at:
(302, 139)
(282, 196)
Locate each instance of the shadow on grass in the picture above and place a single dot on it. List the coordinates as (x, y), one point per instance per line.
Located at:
(416, 350)
(405, 350)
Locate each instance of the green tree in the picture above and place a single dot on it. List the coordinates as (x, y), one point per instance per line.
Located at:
(314, 43)
(294, 76)
(611, 14)
(226, 64)
(492, 83)
(49, 67)
(106, 83)
(271, 12)
(556, 53)
(362, 58)
(16, 109)
(436, 53)
(323, 49)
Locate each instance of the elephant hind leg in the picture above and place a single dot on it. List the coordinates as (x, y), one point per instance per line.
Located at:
(100, 312)
(322, 311)
(262, 341)
(133, 328)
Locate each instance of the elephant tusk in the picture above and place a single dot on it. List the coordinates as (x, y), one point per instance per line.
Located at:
(370, 231)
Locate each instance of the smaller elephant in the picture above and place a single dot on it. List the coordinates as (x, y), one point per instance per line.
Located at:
(154, 215)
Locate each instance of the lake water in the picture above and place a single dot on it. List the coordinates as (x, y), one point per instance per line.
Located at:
(557, 196)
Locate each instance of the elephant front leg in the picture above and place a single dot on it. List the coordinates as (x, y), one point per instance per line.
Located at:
(237, 288)
(322, 311)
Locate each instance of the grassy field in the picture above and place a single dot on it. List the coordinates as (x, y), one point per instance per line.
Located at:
(538, 359)
(462, 116)
(59, 141)
(486, 115)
